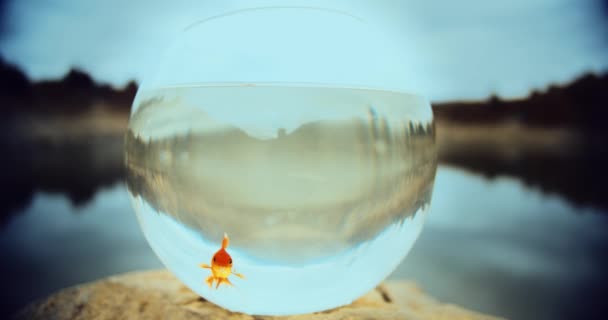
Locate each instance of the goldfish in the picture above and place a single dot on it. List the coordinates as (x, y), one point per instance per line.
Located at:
(221, 266)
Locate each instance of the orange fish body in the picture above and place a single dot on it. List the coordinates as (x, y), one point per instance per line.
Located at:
(221, 266)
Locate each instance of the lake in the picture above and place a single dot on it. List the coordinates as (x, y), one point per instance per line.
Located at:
(492, 245)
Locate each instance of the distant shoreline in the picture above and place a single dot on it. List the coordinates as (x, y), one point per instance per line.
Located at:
(68, 135)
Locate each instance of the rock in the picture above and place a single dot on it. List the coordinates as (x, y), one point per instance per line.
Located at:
(159, 295)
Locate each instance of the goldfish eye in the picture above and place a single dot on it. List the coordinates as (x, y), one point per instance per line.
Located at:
(230, 261)
(214, 259)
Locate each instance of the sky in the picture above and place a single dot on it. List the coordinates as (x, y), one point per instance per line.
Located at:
(466, 49)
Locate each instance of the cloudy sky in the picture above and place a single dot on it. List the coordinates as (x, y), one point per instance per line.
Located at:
(466, 49)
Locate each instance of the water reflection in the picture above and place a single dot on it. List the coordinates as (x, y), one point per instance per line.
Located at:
(51, 244)
(77, 168)
(494, 246)
(506, 249)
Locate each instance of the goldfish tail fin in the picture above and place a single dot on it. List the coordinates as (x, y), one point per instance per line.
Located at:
(205, 266)
(210, 281)
(226, 241)
(219, 281)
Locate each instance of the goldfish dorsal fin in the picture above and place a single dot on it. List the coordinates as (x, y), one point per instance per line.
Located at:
(226, 241)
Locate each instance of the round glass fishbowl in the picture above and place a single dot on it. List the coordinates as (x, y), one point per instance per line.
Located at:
(290, 131)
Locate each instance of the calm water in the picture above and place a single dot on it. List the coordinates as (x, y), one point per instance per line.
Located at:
(491, 245)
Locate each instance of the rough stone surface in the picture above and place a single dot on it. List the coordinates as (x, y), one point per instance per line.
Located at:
(159, 295)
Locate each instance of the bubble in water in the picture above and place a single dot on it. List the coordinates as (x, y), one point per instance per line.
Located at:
(322, 189)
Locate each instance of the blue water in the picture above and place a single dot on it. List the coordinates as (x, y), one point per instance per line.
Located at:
(276, 289)
(494, 246)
